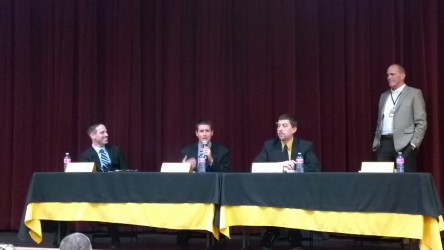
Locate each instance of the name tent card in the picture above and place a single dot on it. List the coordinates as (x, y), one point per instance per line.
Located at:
(267, 167)
(80, 167)
(176, 167)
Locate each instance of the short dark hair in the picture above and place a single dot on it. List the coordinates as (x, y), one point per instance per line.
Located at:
(204, 122)
(75, 241)
(92, 128)
(289, 117)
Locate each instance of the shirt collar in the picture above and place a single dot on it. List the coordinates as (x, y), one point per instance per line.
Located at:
(398, 90)
(97, 149)
(289, 144)
(199, 144)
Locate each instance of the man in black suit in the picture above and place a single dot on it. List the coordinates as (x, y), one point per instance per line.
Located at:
(106, 158)
(284, 149)
(213, 157)
(217, 157)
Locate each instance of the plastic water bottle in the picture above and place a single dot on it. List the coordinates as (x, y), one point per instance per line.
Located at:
(66, 160)
(400, 163)
(202, 159)
(201, 162)
(299, 163)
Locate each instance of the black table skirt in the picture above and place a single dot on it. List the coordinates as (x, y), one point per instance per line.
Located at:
(143, 187)
(408, 193)
(78, 190)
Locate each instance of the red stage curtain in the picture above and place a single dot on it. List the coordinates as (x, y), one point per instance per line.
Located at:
(150, 69)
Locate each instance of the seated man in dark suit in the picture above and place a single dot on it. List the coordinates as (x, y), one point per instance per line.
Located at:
(216, 158)
(284, 149)
(212, 157)
(106, 158)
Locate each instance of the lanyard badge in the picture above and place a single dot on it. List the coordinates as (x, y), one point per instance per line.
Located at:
(392, 111)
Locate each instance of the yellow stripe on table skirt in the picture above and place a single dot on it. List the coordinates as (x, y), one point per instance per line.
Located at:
(381, 224)
(197, 216)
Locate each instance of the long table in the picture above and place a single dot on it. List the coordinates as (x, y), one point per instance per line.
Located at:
(397, 205)
(163, 200)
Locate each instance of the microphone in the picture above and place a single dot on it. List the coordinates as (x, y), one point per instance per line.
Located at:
(204, 144)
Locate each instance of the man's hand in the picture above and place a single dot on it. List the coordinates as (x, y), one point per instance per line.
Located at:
(289, 165)
(191, 160)
(207, 151)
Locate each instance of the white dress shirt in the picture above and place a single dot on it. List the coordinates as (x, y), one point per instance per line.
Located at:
(387, 120)
(98, 153)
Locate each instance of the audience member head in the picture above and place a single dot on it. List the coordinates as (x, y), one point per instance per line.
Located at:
(75, 241)
(6, 247)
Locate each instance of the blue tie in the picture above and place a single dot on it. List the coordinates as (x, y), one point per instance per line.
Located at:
(105, 161)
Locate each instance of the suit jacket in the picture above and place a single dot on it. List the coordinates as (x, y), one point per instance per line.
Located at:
(272, 152)
(221, 156)
(115, 154)
(409, 120)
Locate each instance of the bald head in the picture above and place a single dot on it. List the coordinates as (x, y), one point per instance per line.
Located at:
(75, 241)
(395, 76)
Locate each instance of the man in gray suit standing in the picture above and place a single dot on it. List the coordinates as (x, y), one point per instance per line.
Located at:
(402, 120)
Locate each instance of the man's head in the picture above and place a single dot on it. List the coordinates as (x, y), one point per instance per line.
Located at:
(75, 241)
(98, 134)
(286, 127)
(204, 130)
(395, 76)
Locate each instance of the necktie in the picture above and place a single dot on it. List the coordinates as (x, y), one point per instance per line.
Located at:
(105, 161)
(285, 153)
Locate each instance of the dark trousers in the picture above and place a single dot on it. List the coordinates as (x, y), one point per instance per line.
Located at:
(113, 230)
(387, 152)
(60, 231)
(272, 233)
(184, 235)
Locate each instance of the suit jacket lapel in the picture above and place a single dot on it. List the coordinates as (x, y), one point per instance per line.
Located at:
(404, 93)
(278, 150)
(110, 153)
(194, 151)
(95, 157)
(294, 148)
(214, 150)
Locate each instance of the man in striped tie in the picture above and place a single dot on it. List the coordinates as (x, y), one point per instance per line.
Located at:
(106, 158)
